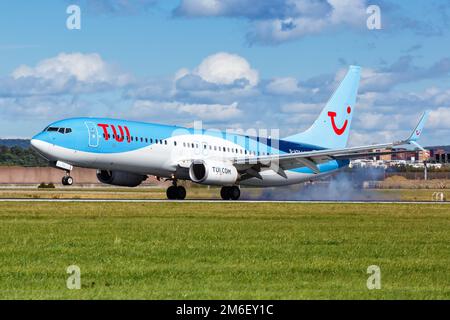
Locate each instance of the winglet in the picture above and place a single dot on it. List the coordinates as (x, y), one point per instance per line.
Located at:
(415, 135)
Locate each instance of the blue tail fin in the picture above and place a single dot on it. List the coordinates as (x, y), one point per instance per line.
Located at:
(332, 127)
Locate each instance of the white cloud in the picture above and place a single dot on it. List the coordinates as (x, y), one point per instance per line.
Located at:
(180, 110)
(440, 118)
(202, 7)
(351, 12)
(283, 86)
(299, 107)
(219, 78)
(43, 108)
(306, 22)
(84, 69)
(361, 138)
(226, 68)
(181, 73)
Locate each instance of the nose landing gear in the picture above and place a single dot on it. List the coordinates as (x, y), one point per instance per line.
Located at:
(175, 192)
(67, 180)
(230, 193)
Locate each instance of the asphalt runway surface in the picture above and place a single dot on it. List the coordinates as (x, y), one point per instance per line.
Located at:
(217, 201)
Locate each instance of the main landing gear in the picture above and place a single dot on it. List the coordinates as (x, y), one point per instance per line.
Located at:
(67, 180)
(230, 193)
(175, 192)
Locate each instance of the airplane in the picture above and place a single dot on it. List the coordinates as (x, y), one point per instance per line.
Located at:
(125, 152)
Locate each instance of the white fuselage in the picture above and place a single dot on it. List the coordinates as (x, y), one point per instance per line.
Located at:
(162, 159)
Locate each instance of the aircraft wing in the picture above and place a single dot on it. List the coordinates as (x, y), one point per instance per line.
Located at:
(311, 159)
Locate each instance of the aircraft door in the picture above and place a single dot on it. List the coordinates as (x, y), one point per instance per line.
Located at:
(93, 134)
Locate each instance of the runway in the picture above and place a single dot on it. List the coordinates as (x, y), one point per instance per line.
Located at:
(219, 201)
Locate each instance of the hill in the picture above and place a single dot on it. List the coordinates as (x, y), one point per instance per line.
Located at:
(22, 143)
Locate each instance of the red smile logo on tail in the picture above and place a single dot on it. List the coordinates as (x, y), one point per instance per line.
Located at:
(338, 131)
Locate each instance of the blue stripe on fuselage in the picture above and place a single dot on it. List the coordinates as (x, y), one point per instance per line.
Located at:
(79, 138)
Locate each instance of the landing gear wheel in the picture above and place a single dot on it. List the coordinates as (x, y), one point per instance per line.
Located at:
(181, 193)
(230, 193)
(67, 181)
(234, 192)
(225, 193)
(172, 192)
(176, 192)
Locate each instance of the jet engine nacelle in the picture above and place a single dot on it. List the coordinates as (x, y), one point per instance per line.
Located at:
(120, 178)
(213, 173)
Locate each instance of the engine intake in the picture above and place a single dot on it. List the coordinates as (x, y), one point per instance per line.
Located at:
(212, 173)
(120, 178)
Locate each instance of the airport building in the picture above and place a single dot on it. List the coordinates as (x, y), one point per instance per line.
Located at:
(438, 154)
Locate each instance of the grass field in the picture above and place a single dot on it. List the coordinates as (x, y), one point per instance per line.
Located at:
(235, 250)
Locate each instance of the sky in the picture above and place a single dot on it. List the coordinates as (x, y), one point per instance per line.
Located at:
(232, 64)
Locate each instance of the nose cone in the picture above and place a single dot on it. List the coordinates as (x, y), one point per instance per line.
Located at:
(36, 144)
(39, 145)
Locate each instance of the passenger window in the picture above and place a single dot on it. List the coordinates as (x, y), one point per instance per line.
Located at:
(175, 143)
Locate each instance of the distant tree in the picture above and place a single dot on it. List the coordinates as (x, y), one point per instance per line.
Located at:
(18, 156)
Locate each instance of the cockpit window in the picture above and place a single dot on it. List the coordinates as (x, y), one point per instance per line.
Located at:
(60, 130)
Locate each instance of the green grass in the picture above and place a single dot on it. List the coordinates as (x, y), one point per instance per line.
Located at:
(224, 251)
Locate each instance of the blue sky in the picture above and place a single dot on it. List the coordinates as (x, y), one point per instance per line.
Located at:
(225, 62)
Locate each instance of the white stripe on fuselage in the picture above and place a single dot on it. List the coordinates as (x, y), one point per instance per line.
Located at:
(163, 159)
